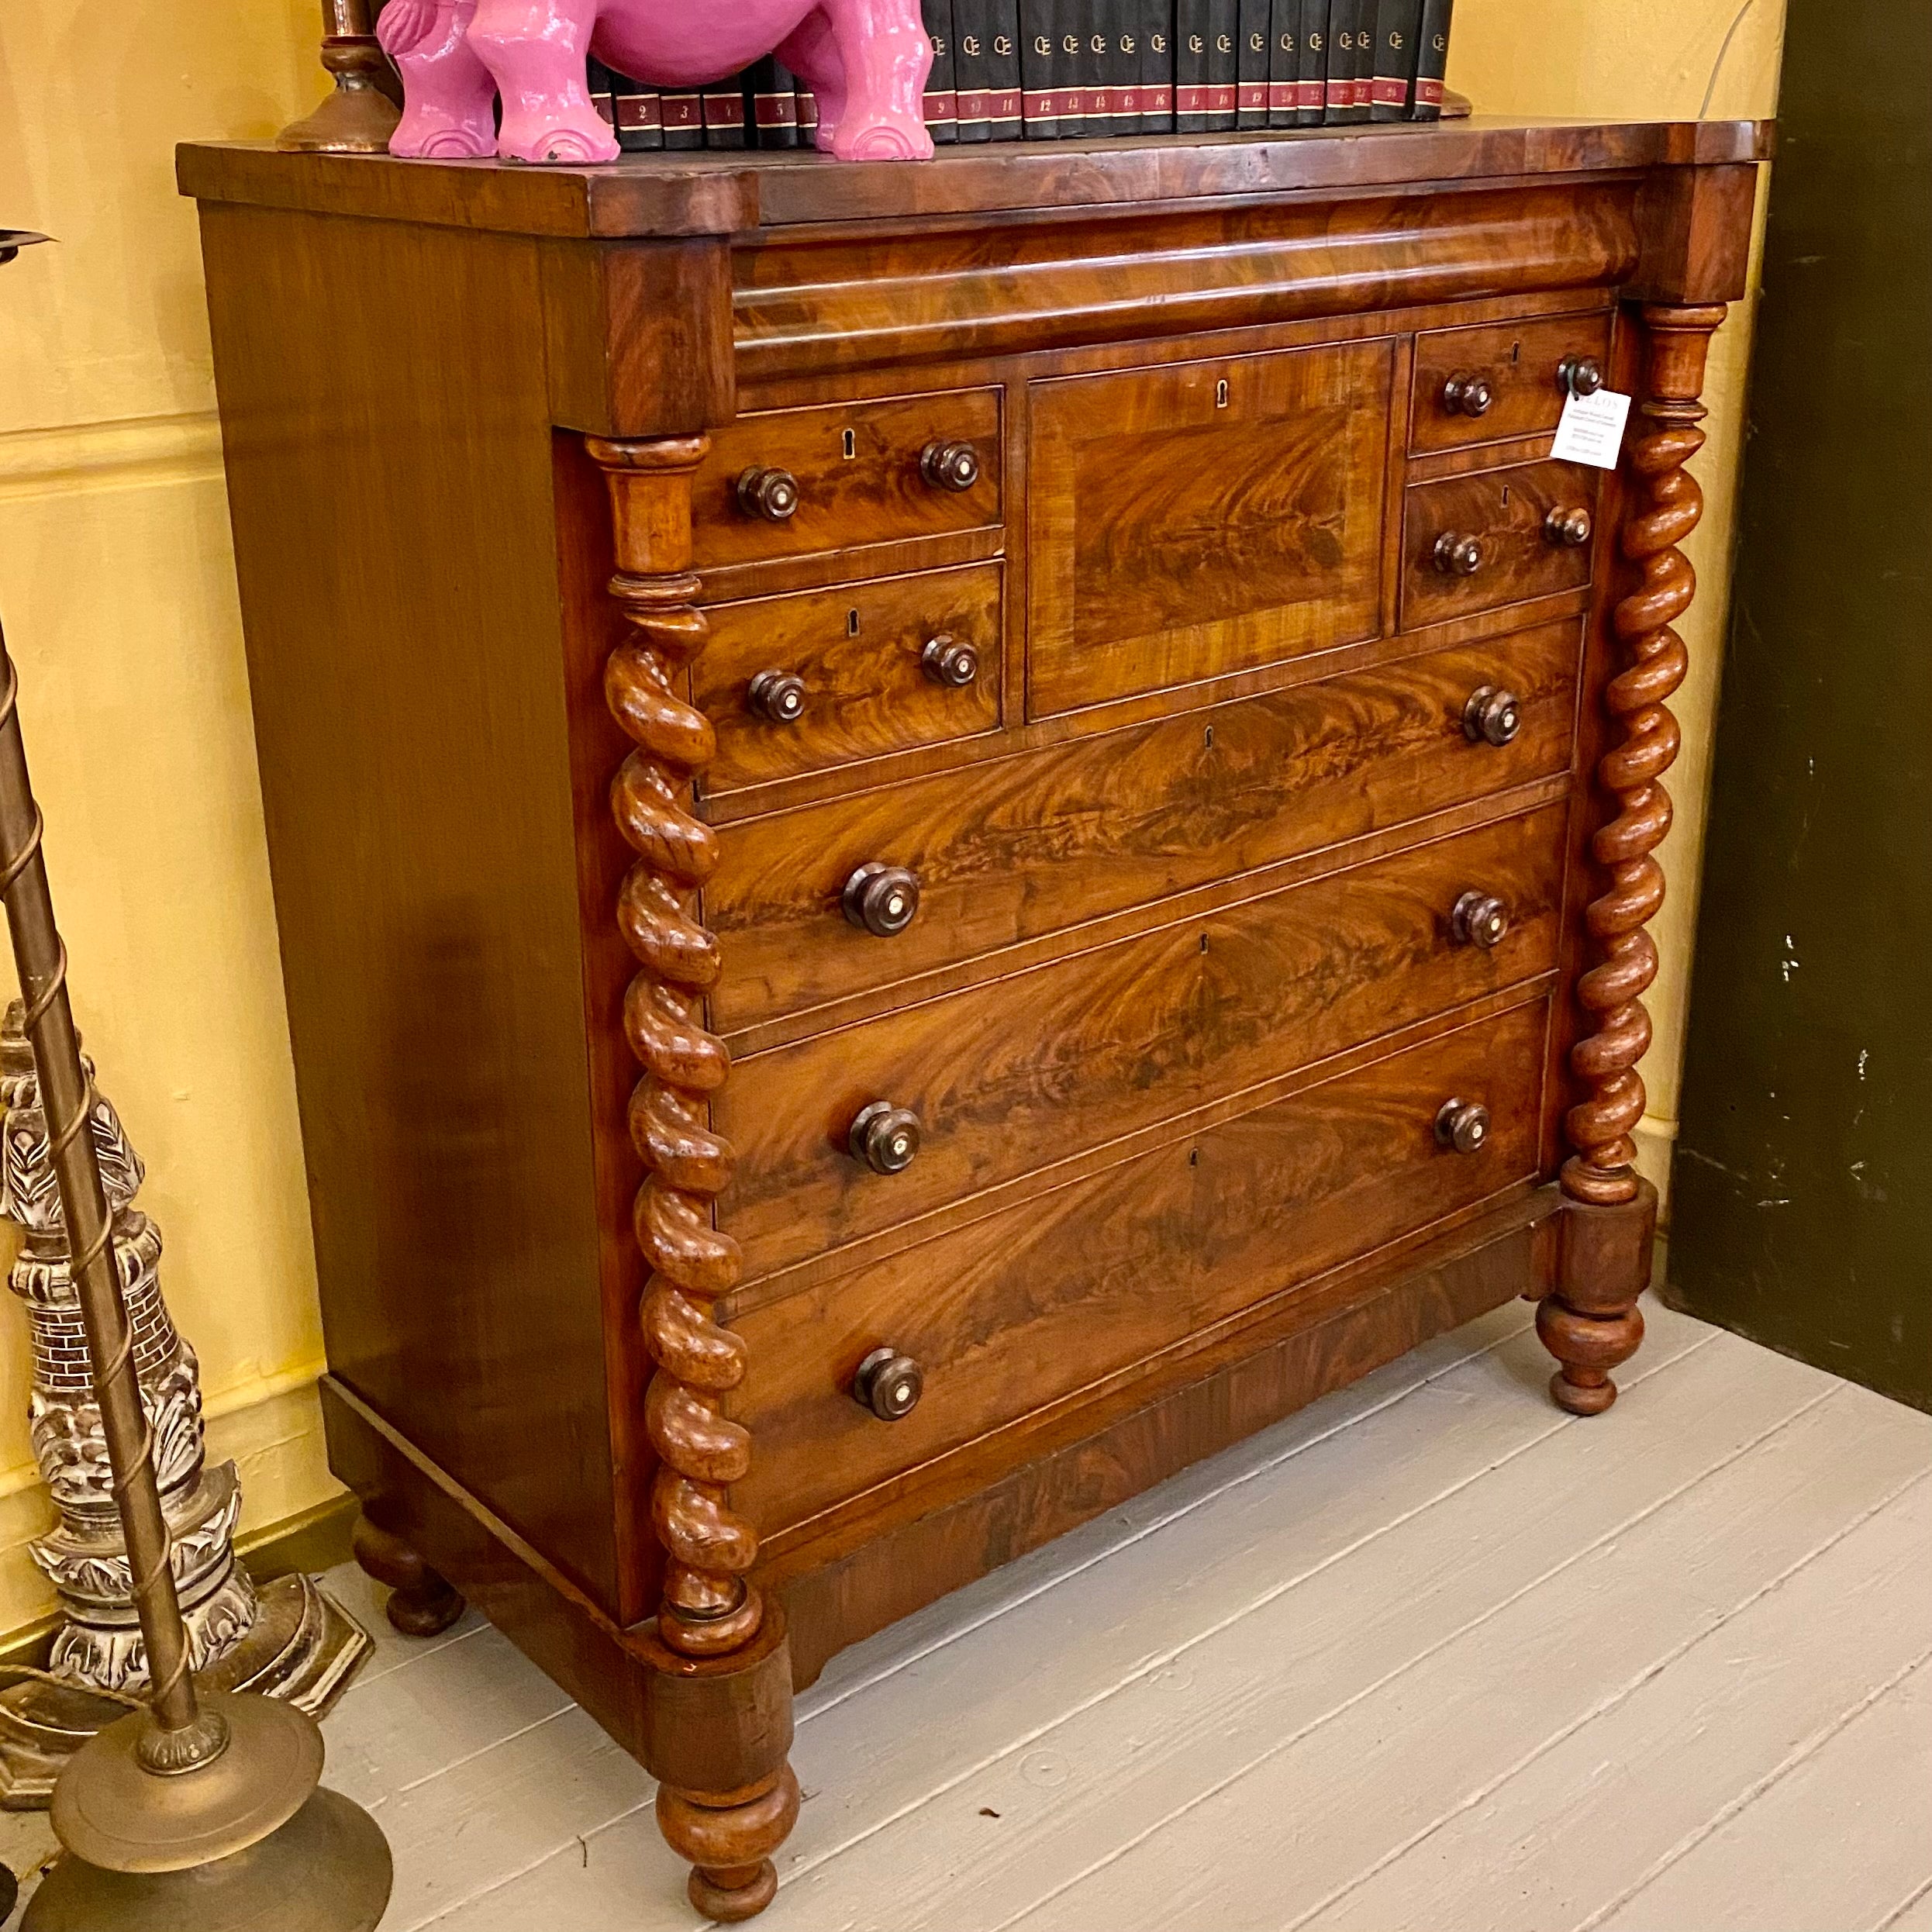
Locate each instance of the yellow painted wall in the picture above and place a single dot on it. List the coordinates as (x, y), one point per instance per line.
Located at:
(117, 589)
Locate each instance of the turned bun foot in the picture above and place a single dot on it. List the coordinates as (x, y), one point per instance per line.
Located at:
(421, 1602)
(1588, 1346)
(728, 1840)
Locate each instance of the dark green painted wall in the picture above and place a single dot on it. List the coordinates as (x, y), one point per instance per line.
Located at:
(1801, 1208)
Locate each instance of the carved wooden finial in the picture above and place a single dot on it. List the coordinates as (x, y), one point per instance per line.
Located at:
(361, 113)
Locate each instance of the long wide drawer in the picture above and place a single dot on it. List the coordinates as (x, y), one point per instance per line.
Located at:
(1033, 1304)
(986, 1085)
(1024, 846)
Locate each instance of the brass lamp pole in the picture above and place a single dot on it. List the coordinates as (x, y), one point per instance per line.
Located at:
(199, 1813)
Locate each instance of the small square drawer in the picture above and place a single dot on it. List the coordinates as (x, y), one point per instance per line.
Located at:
(821, 679)
(1486, 385)
(797, 482)
(1475, 542)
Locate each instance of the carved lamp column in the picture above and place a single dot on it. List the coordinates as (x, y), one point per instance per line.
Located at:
(288, 1640)
(360, 114)
(727, 1799)
(1590, 1322)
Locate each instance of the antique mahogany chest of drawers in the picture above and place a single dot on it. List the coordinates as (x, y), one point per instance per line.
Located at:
(944, 834)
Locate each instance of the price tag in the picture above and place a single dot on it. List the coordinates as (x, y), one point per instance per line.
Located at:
(1592, 430)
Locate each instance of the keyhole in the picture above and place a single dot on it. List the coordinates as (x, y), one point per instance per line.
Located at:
(1515, 352)
(1220, 393)
(851, 442)
(851, 623)
(1210, 737)
(1506, 496)
(1194, 1157)
(1204, 942)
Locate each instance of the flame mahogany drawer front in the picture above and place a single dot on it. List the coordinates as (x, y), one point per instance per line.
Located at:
(1210, 517)
(1025, 846)
(1487, 385)
(789, 483)
(1020, 1310)
(1012, 1076)
(818, 679)
(1473, 543)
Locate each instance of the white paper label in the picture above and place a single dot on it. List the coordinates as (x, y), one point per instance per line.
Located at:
(1592, 430)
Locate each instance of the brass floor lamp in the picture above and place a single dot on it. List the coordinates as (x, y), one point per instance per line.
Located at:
(199, 1813)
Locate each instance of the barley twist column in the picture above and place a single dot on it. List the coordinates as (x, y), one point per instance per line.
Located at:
(710, 1610)
(1591, 1324)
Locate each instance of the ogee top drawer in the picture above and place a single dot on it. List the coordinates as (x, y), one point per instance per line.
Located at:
(820, 679)
(1026, 846)
(795, 482)
(1473, 543)
(870, 1126)
(1065, 1291)
(1486, 385)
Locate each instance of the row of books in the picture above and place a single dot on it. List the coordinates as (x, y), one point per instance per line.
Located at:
(1042, 70)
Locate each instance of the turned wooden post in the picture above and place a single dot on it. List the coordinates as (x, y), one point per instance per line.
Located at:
(1591, 1323)
(711, 1616)
(361, 112)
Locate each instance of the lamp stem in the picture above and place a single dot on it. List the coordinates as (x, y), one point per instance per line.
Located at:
(41, 963)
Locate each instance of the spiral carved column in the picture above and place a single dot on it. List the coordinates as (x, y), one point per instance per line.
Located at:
(1591, 1323)
(712, 1618)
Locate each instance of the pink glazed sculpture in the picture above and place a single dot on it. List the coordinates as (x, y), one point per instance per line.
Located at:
(867, 61)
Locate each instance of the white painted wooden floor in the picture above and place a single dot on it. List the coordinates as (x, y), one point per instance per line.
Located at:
(1428, 1655)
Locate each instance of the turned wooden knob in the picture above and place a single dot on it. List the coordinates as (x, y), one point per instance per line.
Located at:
(1571, 528)
(1580, 375)
(777, 696)
(1467, 395)
(771, 493)
(1456, 555)
(889, 1384)
(1492, 714)
(950, 466)
(885, 1137)
(951, 660)
(1462, 1125)
(1479, 918)
(882, 899)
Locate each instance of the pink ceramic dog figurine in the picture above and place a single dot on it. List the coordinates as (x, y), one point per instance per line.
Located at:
(866, 60)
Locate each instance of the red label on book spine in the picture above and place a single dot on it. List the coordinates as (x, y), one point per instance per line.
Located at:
(1158, 100)
(724, 110)
(808, 108)
(1006, 106)
(1391, 93)
(1252, 93)
(681, 110)
(777, 110)
(1191, 100)
(637, 111)
(974, 104)
(1282, 94)
(1221, 100)
(1429, 93)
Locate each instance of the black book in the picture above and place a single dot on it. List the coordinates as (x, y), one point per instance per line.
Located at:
(971, 56)
(600, 83)
(1004, 106)
(771, 104)
(1362, 100)
(1398, 27)
(684, 120)
(1080, 67)
(1224, 27)
(1311, 65)
(1191, 93)
(1040, 67)
(1252, 64)
(638, 112)
(1283, 53)
(1432, 60)
(1124, 83)
(1157, 66)
(723, 105)
(942, 99)
(1338, 94)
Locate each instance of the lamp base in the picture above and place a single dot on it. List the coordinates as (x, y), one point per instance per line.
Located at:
(303, 1648)
(326, 1870)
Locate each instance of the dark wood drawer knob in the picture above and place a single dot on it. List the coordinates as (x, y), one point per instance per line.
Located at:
(889, 1384)
(882, 899)
(1467, 395)
(778, 697)
(1493, 716)
(1456, 555)
(1480, 920)
(885, 1137)
(1579, 375)
(1463, 1126)
(771, 493)
(951, 660)
(950, 466)
(1570, 528)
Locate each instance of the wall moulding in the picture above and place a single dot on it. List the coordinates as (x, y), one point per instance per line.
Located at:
(138, 452)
